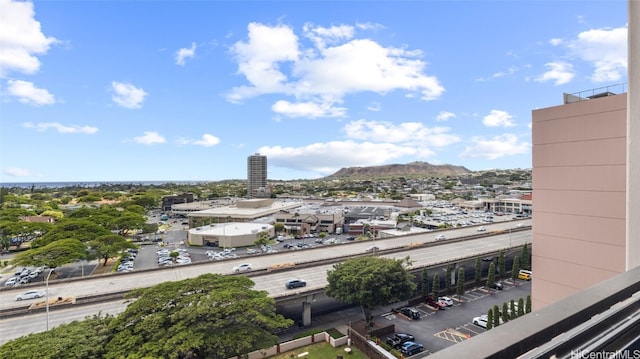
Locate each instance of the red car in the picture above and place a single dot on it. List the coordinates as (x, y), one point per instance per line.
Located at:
(436, 303)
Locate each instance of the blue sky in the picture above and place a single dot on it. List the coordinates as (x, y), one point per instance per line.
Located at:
(187, 90)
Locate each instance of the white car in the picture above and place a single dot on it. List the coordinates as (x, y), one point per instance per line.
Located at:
(482, 229)
(32, 294)
(11, 281)
(480, 321)
(242, 267)
(440, 237)
(446, 300)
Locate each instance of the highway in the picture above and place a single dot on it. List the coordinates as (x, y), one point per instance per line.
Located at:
(270, 281)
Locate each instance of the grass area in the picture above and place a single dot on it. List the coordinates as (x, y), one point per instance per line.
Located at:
(322, 350)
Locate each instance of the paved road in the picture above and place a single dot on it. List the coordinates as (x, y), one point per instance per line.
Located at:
(272, 282)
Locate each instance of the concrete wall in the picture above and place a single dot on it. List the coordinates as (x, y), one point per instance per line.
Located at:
(579, 196)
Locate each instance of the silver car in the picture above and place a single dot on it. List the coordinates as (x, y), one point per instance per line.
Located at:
(32, 294)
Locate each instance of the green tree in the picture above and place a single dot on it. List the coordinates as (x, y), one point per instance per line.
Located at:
(489, 319)
(515, 268)
(478, 270)
(263, 239)
(496, 315)
(514, 312)
(436, 285)
(53, 255)
(448, 274)
(524, 257)
(460, 282)
(210, 316)
(108, 246)
(523, 309)
(505, 312)
(426, 284)
(370, 282)
(80, 229)
(76, 340)
(491, 276)
(502, 269)
(174, 255)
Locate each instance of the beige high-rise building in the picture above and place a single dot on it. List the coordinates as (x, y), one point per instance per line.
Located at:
(579, 194)
(257, 176)
(586, 184)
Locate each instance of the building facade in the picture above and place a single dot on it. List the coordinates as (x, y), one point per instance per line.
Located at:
(579, 195)
(257, 177)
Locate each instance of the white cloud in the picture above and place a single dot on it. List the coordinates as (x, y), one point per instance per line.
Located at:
(407, 133)
(495, 147)
(21, 38)
(307, 109)
(150, 138)
(374, 107)
(184, 53)
(17, 172)
(510, 71)
(556, 42)
(606, 50)
(60, 128)
(323, 157)
(445, 116)
(559, 72)
(26, 92)
(127, 95)
(337, 65)
(498, 118)
(207, 140)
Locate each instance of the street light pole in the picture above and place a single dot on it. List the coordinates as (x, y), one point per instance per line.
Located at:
(47, 292)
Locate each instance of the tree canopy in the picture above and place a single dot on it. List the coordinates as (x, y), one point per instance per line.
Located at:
(211, 316)
(109, 245)
(80, 229)
(53, 255)
(370, 282)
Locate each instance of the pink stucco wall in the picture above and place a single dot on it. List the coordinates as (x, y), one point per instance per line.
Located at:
(579, 196)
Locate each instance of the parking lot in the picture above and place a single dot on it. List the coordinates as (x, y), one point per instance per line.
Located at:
(439, 329)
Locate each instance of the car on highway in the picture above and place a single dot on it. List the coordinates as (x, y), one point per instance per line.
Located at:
(440, 237)
(31, 294)
(295, 283)
(398, 339)
(242, 267)
(482, 229)
(372, 249)
(411, 348)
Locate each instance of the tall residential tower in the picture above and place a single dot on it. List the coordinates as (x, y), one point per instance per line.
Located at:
(257, 176)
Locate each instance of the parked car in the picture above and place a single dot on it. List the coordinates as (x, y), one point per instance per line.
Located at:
(497, 285)
(242, 267)
(410, 312)
(480, 321)
(295, 283)
(11, 282)
(32, 294)
(446, 300)
(398, 339)
(435, 303)
(411, 348)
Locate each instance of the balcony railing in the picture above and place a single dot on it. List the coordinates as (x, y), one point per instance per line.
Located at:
(595, 93)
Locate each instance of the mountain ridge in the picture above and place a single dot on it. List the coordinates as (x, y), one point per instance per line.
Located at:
(409, 169)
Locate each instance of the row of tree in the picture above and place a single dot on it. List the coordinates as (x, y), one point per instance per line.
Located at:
(509, 311)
